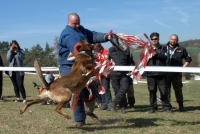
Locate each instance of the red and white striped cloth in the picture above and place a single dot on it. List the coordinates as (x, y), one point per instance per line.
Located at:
(147, 52)
(105, 67)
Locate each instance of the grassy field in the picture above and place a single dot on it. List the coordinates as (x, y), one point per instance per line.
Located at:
(42, 119)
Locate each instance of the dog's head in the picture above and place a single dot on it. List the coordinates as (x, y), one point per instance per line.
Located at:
(83, 47)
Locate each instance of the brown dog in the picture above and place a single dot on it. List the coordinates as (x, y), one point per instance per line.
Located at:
(61, 89)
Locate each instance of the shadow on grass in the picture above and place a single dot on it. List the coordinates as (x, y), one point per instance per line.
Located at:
(131, 123)
(182, 123)
(9, 98)
(188, 109)
(140, 108)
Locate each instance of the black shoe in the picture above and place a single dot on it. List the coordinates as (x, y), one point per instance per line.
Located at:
(112, 107)
(44, 103)
(168, 111)
(67, 105)
(79, 124)
(103, 108)
(1, 99)
(151, 111)
(181, 107)
(92, 115)
(123, 110)
(109, 109)
(131, 107)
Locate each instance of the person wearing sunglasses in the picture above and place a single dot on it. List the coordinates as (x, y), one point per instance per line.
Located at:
(157, 79)
(175, 56)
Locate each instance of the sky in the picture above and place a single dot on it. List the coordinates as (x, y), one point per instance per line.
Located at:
(33, 22)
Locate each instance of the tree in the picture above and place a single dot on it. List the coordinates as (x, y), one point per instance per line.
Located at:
(36, 52)
(4, 46)
(48, 59)
(55, 47)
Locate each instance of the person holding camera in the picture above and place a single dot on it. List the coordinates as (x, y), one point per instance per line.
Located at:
(15, 56)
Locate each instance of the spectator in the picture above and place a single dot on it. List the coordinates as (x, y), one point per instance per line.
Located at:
(106, 98)
(1, 81)
(176, 54)
(49, 77)
(15, 56)
(69, 37)
(157, 79)
(120, 81)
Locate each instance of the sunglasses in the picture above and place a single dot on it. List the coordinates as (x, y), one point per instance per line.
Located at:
(155, 39)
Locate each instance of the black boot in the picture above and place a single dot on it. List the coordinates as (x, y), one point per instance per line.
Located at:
(131, 101)
(123, 110)
(112, 106)
(181, 108)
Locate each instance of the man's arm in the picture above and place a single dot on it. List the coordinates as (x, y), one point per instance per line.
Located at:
(187, 58)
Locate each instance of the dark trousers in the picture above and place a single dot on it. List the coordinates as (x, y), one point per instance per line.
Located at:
(105, 98)
(158, 81)
(175, 79)
(130, 93)
(1, 83)
(120, 86)
(18, 83)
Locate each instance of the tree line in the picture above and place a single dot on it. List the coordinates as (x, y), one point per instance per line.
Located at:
(47, 56)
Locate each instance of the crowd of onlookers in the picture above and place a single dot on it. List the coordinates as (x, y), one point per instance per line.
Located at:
(171, 54)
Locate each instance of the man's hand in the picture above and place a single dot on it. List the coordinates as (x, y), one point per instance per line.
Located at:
(109, 37)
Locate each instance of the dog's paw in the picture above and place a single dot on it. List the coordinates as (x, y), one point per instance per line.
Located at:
(67, 117)
(21, 111)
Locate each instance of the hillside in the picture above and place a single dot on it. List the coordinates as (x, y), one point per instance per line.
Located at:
(192, 46)
(190, 43)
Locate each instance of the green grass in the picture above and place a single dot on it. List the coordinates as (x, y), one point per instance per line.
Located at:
(42, 119)
(193, 50)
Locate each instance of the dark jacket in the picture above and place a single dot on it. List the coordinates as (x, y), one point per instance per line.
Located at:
(1, 61)
(120, 58)
(1, 64)
(176, 59)
(68, 39)
(159, 59)
(19, 56)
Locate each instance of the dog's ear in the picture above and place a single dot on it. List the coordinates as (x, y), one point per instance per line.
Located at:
(78, 47)
(79, 44)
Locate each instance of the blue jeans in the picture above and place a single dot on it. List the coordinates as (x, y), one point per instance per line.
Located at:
(79, 113)
(106, 98)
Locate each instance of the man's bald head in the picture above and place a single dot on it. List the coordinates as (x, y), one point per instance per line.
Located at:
(74, 20)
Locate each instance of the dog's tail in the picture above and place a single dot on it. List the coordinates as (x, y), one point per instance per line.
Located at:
(39, 74)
